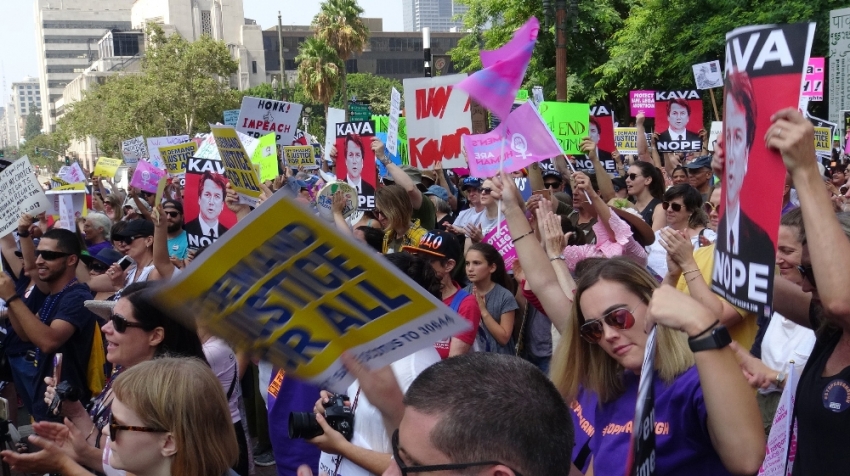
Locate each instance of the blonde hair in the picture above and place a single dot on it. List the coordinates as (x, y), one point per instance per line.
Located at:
(184, 397)
(577, 363)
(394, 203)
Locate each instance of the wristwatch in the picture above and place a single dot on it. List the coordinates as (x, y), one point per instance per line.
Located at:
(718, 339)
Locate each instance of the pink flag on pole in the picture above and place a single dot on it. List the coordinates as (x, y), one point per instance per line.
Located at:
(523, 138)
(495, 86)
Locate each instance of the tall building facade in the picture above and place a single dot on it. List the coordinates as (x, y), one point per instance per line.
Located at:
(438, 15)
(67, 33)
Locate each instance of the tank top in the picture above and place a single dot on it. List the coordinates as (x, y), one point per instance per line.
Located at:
(648, 210)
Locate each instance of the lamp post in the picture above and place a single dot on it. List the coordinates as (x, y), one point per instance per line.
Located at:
(282, 96)
(426, 47)
(557, 10)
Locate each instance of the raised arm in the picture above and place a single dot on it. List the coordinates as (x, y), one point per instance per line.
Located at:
(161, 261)
(603, 179)
(398, 175)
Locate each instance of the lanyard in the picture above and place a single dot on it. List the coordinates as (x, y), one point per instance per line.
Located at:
(47, 309)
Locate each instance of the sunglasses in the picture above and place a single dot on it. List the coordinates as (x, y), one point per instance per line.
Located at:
(377, 212)
(114, 428)
(552, 185)
(405, 470)
(808, 273)
(619, 319)
(486, 190)
(50, 255)
(709, 207)
(634, 176)
(677, 207)
(128, 240)
(172, 214)
(121, 324)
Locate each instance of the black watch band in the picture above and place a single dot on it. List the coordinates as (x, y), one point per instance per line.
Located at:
(718, 339)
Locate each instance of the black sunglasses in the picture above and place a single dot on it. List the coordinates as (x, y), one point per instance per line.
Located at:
(633, 176)
(128, 240)
(50, 255)
(552, 185)
(485, 190)
(405, 470)
(172, 214)
(114, 428)
(619, 319)
(677, 207)
(808, 272)
(120, 323)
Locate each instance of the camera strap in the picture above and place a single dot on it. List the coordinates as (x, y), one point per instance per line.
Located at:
(233, 382)
(338, 458)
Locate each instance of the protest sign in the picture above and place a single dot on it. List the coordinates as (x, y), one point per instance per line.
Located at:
(625, 140)
(287, 287)
(382, 171)
(501, 240)
(778, 442)
(708, 75)
(438, 116)
(265, 155)
(756, 87)
(205, 215)
(74, 201)
(176, 157)
(714, 134)
(107, 167)
(813, 82)
(641, 459)
(392, 129)
(258, 117)
(642, 101)
(569, 122)
(524, 187)
(521, 140)
(822, 141)
(839, 62)
(72, 173)
(20, 193)
(325, 200)
(679, 118)
(207, 149)
(237, 165)
(601, 131)
(154, 143)
(134, 150)
(231, 117)
(335, 116)
(58, 182)
(249, 143)
(67, 217)
(356, 159)
(160, 190)
(382, 124)
(300, 156)
(146, 176)
(70, 186)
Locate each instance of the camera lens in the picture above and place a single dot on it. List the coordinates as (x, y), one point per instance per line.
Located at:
(303, 425)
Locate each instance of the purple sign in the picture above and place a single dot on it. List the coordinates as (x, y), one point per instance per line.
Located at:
(502, 242)
(642, 101)
(146, 177)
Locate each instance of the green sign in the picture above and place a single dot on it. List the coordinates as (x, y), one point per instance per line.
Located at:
(359, 112)
(265, 156)
(569, 123)
(521, 95)
(382, 125)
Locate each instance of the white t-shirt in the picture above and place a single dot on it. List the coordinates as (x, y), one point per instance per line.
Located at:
(657, 255)
(369, 429)
(783, 342)
(468, 216)
(223, 363)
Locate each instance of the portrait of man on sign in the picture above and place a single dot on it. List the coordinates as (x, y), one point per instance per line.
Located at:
(211, 192)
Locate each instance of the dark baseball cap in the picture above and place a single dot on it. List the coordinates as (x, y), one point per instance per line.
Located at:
(136, 228)
(173, 204)
(471, 182)
(703, 161)
(553, 173)
(437, 243)
(107, 256)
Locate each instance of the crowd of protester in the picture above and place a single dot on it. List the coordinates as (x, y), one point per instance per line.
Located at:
(544, 382)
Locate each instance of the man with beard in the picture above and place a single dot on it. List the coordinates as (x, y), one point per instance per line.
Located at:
(178, 241)
(62, 324)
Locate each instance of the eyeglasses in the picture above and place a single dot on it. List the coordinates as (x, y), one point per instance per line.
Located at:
(128, 240)
(121, 324)
(114, 428)
(619, 319)
(486, 190)
(633, 176)
(709, 207)
(377, 212)
(552, 185)
(50, 255)
(405, 470)
(172, 214)
(808, 273)
(677, 207)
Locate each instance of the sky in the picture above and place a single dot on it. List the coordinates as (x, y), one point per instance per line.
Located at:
(17, 28)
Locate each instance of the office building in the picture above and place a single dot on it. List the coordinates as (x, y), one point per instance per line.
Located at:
(438, 15)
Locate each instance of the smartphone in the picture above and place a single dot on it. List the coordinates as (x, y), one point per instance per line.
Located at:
(547, 194)
(125, 262)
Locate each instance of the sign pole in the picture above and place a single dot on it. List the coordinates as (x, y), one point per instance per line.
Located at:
(714, 104)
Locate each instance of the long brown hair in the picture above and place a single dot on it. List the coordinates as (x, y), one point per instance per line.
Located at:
(394, 203)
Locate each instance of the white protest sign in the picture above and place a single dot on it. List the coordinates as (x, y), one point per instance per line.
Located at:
(208, 149)
(66, 212)
(776, 453)
(20, 193)
(72, 173)
(76, 202)
(708, 75)
(392, 127)
(438, 116)
(248, 142)
(839, 64)
(258, 117)
(134, 150)
(716, 130)
(335, 116)
(154, 143)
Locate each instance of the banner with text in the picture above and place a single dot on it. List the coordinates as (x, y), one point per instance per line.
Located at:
(205, 215)
(642, 101)
(134, 150)
(708, 75)
(237, 165)
(678, 120)
(177, 156)
(438, 116)
(154, 143)
(625, 140)
(265, 156)
(107, 167)
(146, 176)
(20, 193)
(258, 117)
(355, 162)
(300, 156)
(569, 122)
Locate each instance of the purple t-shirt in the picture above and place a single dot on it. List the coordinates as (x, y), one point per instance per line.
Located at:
(290, 395)
(583, 411)
(682, 443)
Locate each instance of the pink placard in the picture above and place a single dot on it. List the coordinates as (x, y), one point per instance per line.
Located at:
(500, 238)
(813, 82)
(642, 101)
(146, 177)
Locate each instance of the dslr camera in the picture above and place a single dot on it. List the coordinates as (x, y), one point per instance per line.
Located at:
(65, 392)
(337, 414)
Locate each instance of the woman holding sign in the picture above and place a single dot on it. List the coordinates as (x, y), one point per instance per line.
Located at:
(699, 429)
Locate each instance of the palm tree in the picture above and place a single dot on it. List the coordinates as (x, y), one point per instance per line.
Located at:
(339, 24)
(319, 69)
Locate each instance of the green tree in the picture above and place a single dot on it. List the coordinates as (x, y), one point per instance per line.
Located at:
(264, 91)
(339, 24)
(319, 70)
(371, 89)
(33, 125)
(55, 142)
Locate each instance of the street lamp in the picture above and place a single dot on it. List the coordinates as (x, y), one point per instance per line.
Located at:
(426, 47)
(557, 10)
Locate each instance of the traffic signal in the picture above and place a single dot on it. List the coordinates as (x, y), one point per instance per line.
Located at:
(36, 151)
(67, 160)
(2, 154)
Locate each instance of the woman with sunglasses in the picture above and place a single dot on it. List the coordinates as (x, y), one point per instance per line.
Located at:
(712, 210)
(170, 418)
(488, 220)
(685, 215)
(137, 237)
(712, 429)
(645, 184)
(137, 331)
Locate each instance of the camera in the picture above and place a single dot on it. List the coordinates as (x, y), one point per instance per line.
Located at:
(338, 415)
(65, 392)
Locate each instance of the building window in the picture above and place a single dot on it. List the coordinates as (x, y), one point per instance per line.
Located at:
(254, 67)
(206, 23)
(87, 24)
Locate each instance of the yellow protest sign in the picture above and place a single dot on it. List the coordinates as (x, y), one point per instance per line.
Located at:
(107, 167)
(237, 166)
(73, 186)
(300, 156)
(822, 141)
(625, 140)
(288, 287)
(265, 157)
(160, 189)
(57, 182)
(177, 156)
